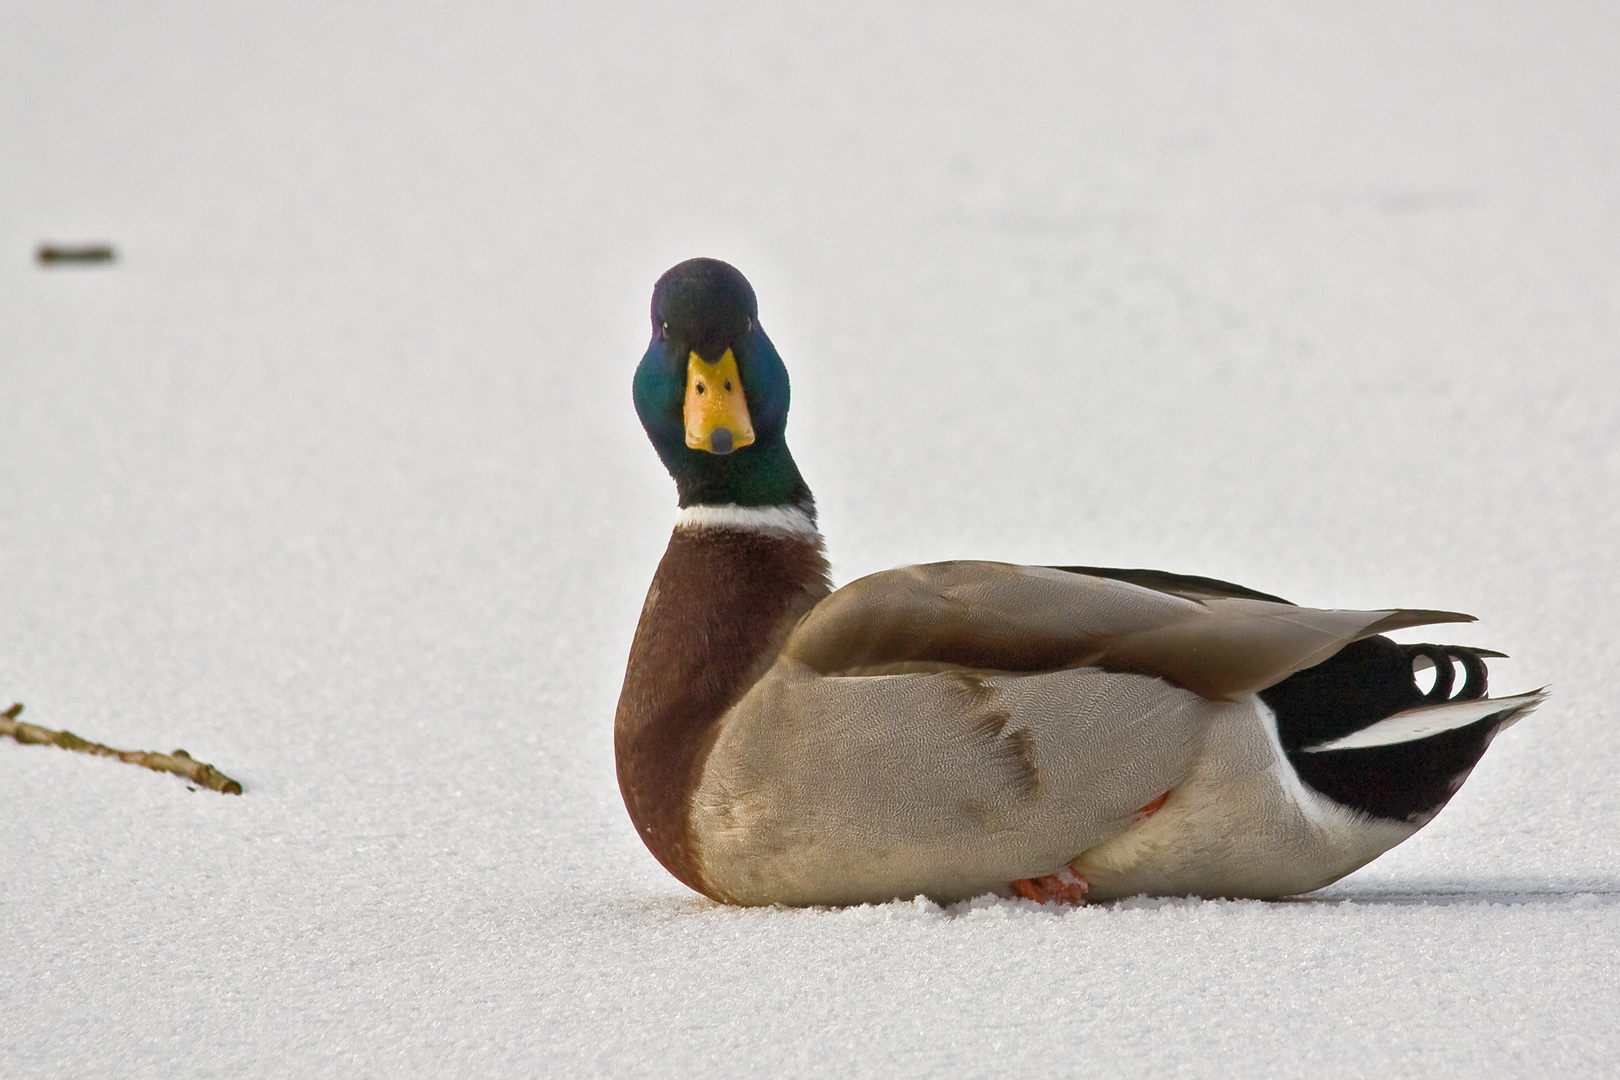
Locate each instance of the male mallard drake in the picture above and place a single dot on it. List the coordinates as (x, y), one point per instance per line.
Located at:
(970, 727)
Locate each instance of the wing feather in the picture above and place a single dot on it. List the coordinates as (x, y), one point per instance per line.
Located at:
(1189, 586)
(1001, 617)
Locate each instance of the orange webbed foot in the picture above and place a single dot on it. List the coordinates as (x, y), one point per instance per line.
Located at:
(1063, 887)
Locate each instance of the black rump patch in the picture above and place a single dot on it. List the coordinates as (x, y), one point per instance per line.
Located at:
(1361, 684)
(1408, 781)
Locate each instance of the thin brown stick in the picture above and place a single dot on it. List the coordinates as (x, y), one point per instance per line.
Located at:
(179, 762)
(49, 254)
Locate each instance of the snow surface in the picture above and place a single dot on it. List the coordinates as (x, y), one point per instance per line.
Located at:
(334, 481)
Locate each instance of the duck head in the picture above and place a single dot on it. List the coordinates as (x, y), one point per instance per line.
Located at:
(712, 392)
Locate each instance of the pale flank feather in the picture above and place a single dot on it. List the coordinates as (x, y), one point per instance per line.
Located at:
(843, 790)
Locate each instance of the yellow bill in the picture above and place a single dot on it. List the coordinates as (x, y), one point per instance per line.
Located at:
(716, 408)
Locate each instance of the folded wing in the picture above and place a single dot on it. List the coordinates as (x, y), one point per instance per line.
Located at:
(1001, 617)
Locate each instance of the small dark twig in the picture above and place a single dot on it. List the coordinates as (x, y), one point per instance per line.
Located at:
(74, 253)
(179, 762)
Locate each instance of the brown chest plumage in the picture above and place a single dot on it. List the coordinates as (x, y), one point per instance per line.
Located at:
(719, 607)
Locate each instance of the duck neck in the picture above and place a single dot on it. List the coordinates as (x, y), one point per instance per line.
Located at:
(762, 476)
(732, 583)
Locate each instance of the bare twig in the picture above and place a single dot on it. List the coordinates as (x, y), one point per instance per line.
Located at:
(50, 254)
(179, 762)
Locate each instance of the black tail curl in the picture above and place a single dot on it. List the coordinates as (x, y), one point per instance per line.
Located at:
(1367, 681)
(1445, 658)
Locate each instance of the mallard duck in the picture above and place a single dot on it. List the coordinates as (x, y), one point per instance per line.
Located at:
(1058, 733)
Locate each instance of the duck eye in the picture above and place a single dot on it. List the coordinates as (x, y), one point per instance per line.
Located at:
(701, 388)
(663, 332)
(728, 384)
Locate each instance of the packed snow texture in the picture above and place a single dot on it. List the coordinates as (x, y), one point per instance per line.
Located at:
(333, 480)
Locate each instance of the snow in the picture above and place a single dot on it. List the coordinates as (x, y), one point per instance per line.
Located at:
(333, 480)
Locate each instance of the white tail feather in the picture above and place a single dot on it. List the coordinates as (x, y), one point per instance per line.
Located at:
(1426, 720)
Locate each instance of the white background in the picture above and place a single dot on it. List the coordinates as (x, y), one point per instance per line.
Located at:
(334, 481)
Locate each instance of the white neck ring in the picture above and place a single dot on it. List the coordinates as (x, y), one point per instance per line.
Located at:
(772, 519)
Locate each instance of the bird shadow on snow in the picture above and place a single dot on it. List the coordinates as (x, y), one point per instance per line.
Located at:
(1584, 895)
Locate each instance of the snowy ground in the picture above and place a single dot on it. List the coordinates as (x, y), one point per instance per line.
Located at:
(334, 481)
